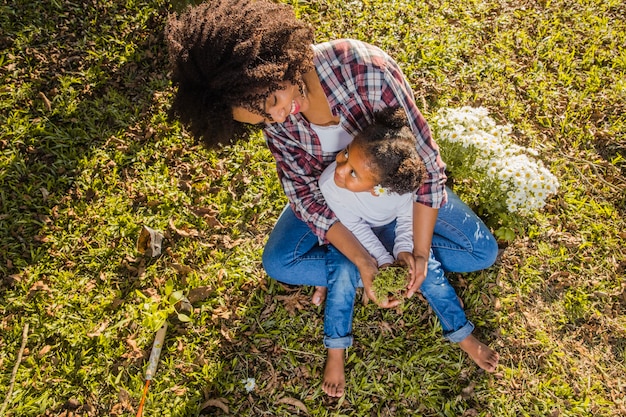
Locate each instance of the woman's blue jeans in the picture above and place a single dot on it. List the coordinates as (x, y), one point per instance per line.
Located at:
(461, 243)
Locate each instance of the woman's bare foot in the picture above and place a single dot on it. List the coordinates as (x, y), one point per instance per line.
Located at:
(334, 381)
(483, 355)
(319, 296)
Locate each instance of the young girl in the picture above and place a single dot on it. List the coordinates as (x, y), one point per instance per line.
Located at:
(371, 188)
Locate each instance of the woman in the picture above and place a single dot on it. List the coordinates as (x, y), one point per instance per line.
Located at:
(243, 64)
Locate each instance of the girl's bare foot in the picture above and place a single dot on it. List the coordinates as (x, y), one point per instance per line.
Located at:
(483, 355)
(334, 381)
(319, 296)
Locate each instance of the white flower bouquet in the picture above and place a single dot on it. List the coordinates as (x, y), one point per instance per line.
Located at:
(504, 182)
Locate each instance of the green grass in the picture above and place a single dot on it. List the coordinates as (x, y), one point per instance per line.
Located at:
(88, 157)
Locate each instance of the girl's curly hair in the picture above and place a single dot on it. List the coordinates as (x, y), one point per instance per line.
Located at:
(391, 147)
(233, 53)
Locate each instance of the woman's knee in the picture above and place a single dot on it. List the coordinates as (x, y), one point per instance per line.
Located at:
(269, 261)
(485, 251)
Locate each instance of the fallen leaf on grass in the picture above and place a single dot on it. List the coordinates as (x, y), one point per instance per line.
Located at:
(178, 390)
(215, 402)
(199, 294)
(221, 312)
(123, 405)
(267, 312)
(293, 302)
(183, 232)
(149, 242)
(38, 286)
(468, 391)
(227, 333)
(296, 403)
(46, 101)
(135, 353)
(44, 350)
(181, 269)
(97, 332)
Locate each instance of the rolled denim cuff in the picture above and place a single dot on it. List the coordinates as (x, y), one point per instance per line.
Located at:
(337, 342)
(460, 334)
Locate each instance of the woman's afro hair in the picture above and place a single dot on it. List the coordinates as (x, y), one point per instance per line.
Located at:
(233, 53)
(391, 147)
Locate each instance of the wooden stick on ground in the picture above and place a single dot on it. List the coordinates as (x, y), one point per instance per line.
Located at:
(7, 398)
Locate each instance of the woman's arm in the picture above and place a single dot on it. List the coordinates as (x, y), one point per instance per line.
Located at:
(424, 219)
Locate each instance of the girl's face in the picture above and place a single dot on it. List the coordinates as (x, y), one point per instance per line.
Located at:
(354, 171)
(279, 104)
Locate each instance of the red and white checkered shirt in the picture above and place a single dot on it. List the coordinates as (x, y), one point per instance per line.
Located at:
(358, 80)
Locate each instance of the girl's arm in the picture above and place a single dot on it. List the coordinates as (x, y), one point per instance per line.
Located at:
(424, 219)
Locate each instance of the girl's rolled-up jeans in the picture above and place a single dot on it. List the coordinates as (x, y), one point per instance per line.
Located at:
(461, 243)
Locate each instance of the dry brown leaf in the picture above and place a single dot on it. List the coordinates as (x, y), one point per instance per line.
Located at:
(221, 312)
(204, 211)
(149, 242)
(385, 327)
(213, 222)
(38, 286)
(97, 332)
(178, 390)
(183, 232)
(216, 402)
(226, 333)
(267, 312)
(182, 269)
(123, 405)
(293, 302)
(46, 101)
(468, 391)
(199, 294)
(295, 402)
(44, 350)
(485, 299)
(135, 353)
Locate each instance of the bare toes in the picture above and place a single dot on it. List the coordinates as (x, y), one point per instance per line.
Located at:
(319, 296)
(333, 390)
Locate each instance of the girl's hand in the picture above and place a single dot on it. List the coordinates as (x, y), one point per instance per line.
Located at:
(417, 276)
(368, 271)
(369, 291)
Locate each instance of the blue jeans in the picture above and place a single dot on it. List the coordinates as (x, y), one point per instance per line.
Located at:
(461, 243)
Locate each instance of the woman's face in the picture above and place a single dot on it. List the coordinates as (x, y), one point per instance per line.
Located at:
(354, 171)
(279, 104)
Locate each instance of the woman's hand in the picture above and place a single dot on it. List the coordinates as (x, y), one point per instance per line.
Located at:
(407, 259)
(424, 219)
(420, 269)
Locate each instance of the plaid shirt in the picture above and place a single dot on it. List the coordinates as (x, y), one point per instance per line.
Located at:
(358, 80)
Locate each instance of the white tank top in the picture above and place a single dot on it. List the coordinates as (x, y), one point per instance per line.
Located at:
(333, 138)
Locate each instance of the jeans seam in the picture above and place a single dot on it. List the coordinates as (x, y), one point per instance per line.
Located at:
(467, 243)
(295, 256)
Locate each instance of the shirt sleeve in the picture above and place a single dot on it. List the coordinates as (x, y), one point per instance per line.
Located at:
(395, 91)
(404, 227)
(298, 172)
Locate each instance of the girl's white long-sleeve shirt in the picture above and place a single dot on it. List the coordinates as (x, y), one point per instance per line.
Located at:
(360, 212)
